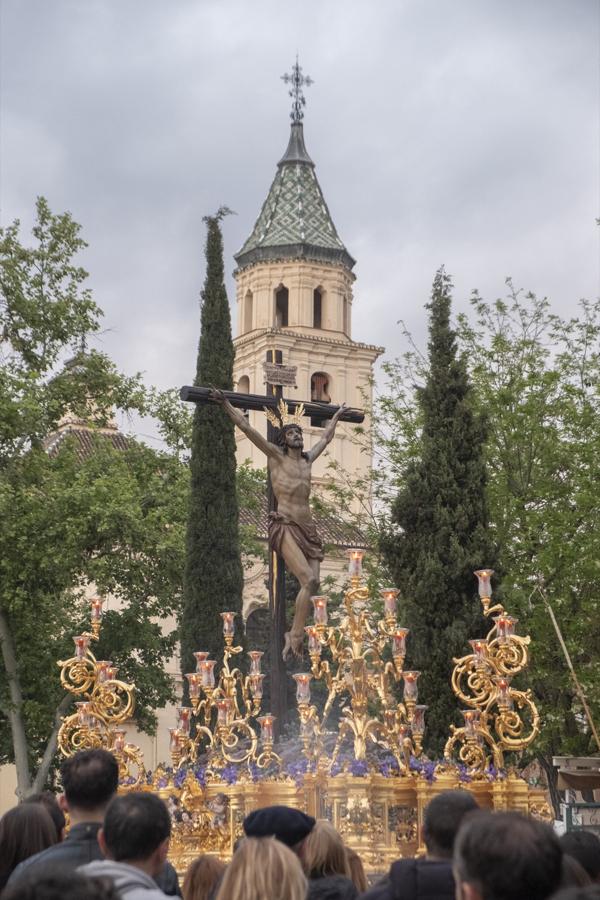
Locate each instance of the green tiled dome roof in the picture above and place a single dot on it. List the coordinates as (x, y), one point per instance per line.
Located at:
(294, 221)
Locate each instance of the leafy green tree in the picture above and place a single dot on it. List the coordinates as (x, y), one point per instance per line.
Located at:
(440, 521)
(537, 376)
(213, 580)
(110, 517)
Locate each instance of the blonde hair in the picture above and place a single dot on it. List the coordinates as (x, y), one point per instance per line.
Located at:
(323, 852)
(263, 868)
(357, 871)
(202, 877)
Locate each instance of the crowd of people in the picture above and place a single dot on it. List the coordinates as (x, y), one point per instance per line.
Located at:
(116, 848)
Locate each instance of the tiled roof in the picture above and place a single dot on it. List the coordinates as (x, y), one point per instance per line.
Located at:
(331, 531)
(85, 440)
(294, 221)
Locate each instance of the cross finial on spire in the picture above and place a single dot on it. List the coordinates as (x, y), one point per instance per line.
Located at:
(297, 80)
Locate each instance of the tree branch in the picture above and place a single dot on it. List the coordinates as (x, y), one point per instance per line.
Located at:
(14, 712)
(44, 767)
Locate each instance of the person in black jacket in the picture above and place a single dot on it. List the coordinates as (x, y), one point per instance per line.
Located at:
(430, 878)
(90, 779)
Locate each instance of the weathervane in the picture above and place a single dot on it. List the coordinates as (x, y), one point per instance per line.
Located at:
(297, 80)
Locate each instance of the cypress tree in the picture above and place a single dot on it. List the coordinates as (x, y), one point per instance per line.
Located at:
(213, 579)
(441, 534)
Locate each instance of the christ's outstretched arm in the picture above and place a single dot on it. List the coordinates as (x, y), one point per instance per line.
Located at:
(327, 436)
(242, 423)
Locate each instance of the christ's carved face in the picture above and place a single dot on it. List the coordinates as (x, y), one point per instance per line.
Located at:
(294, 438)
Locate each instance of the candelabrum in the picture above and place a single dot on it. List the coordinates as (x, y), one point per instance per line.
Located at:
(359, 670)
(106, 703)
(498, 717)
(220, 720)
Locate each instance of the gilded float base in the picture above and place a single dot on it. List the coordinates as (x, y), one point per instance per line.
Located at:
(380, 818)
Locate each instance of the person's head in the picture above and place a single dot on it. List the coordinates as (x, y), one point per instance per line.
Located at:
(573, 873)
(288, 825)
(58, 884)
(202, 877)
(506, 856)
(591, 892)
(357, 871)
(290, 437)
(584, 846)
(50, 802)
(24, 830)
(442, 818)
(263, 867)
(90, 779)
(136, 830)
(323, 852)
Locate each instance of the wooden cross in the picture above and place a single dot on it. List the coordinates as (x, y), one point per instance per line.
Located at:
(320, 411)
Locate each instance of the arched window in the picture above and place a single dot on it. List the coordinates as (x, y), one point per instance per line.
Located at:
(248, 304)
(317, 308)
(319, 393)
(281, 307)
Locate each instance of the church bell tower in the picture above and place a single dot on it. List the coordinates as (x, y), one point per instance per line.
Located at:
(294, 302)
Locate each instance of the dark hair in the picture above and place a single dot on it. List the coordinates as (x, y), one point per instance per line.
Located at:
(508, 856)
(584, 846)
(58, 884)
(135, 825)
(280, 437)
(48, 800)
(442, 819)
(202, 877)
(591, 892)
(90, 778)
(25, 830)
(573, 873)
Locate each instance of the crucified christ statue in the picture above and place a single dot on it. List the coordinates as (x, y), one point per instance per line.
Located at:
(292, 532)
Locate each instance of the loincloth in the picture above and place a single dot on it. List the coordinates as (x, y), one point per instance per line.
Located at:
(305, 536)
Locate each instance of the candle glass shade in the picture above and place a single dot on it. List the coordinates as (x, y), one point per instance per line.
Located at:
(119, 740)
(255, 683)
(505, 628)
(207, 672)
(390, 602)
(228, 623)
(200, 656)
(418, 720)
(314, 644)
(266, 728)
(223, 708)
(82, 642)
(184, 718)
(302, 680)
(174, 740)
(320, 607)
(194, 684)
(411, 690)
(484, 579)
(503, 689)
(96, 608)
(103, 670)
(111, 673)
(355, 558)
(479, 648)
(472, 719)
(255, 658)
(399, 642)
(83, 713)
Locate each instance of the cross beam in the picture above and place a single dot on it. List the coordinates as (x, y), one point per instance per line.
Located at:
(258, 401)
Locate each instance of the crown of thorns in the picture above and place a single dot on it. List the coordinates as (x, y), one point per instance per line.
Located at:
(283, 416)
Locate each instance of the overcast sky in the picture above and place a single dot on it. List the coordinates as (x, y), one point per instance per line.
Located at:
(463, 132)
